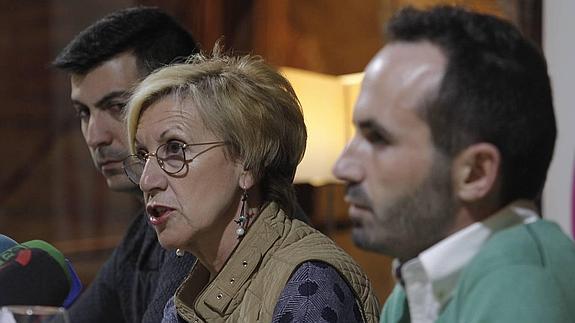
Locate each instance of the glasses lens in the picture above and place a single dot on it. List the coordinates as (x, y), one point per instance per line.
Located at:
(171, 157)
(134, 167)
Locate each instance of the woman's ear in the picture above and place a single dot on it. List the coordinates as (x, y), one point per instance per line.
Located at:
(246, 180)
(476, 172)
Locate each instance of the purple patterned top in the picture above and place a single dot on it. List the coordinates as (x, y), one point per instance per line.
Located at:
(316, 292)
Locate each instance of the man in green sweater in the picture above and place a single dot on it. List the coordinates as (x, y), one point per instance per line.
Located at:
(455, 132)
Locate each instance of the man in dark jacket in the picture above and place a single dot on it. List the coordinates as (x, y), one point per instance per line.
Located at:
(104, 62)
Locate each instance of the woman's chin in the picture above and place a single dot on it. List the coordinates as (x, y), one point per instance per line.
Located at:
(168, 243)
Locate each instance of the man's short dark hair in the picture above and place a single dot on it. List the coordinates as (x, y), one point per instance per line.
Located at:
(154, 37)
(496, 89)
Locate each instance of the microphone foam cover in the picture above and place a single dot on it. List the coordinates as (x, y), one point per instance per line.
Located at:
(6, 243)
(52, 251)
(33, 277)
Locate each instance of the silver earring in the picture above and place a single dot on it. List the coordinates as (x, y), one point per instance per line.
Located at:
(242, 221)
(180, 252)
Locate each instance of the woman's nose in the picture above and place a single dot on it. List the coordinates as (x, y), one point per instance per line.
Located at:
(153, 177)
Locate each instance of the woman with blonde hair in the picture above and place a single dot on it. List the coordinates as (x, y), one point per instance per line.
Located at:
(215, 145)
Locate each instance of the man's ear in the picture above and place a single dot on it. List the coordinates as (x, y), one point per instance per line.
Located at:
(246, 180)
(476, 172)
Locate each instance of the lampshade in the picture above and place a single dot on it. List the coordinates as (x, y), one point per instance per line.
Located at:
(327, 103)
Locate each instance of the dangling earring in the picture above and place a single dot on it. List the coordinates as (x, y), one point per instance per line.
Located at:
(243, 219)
(180, 252)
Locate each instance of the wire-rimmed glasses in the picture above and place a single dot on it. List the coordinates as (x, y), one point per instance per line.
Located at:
(171, 157)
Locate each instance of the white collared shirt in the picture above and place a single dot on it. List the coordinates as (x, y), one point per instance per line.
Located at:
(430, 279)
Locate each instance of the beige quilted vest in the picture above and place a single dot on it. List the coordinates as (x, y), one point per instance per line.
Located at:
(248, 286)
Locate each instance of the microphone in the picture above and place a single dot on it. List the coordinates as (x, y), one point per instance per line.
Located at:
(36, 273)
(6, 243)
(73, 279)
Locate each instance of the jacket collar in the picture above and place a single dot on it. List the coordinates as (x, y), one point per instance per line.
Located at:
(215, 296)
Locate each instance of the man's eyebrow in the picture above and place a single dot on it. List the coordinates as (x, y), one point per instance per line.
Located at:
(105, 101)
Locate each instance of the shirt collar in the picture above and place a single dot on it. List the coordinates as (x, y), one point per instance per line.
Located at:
(440, 265)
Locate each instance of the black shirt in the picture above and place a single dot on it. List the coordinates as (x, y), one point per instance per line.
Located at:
(136, 281)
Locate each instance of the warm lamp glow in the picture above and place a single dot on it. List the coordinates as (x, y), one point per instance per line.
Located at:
(327, 103)
(351, 87)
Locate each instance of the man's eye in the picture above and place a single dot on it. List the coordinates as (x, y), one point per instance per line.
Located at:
(116, 109)
(375, 137)
(119, 106)
(83, 113)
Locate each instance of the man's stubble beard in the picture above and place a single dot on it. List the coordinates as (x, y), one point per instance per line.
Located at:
(418, 220)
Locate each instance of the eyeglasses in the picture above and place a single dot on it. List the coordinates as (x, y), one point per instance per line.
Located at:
(171, 157)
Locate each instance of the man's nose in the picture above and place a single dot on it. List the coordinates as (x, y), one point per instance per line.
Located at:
(347, 167)
(98, 131)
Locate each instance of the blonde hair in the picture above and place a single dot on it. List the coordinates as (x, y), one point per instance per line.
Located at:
(243, 101)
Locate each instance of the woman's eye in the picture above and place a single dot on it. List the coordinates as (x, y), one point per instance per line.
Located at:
(174, 147)
(142, 155)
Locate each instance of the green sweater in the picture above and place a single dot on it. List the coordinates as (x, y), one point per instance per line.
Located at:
(522, 274)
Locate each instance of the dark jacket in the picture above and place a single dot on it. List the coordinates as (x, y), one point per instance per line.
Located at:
(135, 282)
